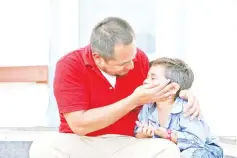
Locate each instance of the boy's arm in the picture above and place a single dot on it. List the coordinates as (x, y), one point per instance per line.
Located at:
(193, 133)
(142, 118)
(163, 133)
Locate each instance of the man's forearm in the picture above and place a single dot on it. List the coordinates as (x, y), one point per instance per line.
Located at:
(99, 118)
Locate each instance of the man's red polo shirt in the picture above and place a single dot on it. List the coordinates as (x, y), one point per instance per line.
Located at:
(79, 85)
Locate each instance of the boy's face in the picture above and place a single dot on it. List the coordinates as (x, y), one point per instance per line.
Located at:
(156, 74)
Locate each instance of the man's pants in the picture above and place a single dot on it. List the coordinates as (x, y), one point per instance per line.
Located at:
(59, 145)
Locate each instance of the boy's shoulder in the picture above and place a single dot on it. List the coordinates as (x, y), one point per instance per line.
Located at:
(178, 106)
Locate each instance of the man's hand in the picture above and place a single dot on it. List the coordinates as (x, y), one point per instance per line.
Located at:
(149, 93)
(168, 92)
(192, 108)
(145, 130)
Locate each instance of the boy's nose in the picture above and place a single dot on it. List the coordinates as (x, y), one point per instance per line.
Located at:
(146, 81)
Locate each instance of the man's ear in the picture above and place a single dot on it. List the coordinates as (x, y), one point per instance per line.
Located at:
(97, 58)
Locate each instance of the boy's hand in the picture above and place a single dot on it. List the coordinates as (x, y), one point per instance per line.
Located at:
(161, 132)
(145, 130)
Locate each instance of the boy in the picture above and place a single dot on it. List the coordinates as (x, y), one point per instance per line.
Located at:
(165, 118)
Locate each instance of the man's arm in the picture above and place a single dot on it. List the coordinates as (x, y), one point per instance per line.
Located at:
(87, 121)
(193, 133)
(192, 108)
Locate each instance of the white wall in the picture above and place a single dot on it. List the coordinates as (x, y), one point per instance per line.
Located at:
(24, 33)
(204, 33)
(23, 104)
(170, 28)
(64, 37)
(211, 51)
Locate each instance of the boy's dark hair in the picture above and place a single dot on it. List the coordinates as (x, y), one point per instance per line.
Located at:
(177, 71)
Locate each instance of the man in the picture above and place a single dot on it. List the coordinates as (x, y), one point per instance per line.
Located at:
(99, 90)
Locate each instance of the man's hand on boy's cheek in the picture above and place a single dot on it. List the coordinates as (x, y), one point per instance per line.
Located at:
(192, 108)
(170, 90)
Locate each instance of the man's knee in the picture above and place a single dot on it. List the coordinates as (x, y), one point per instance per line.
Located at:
(40, 147)
(173, 149)
(167, 148)
(61, 145)
(48, 146)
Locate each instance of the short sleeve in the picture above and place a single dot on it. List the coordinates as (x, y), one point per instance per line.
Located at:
(70, 86)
